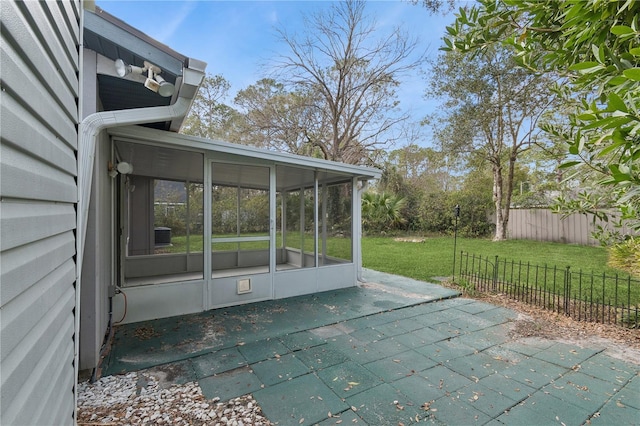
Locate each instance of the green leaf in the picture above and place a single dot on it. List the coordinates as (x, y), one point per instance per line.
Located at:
(587, 117)
(621, 30)
(616, 103)
(568, 164)
(635, 51)
(617, 80)
(632, 74)
(584, 66)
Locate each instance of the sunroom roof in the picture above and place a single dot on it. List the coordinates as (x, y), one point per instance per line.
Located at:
(175, 156)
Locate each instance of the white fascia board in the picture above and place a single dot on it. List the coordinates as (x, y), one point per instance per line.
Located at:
(137, 133)
(142, 47)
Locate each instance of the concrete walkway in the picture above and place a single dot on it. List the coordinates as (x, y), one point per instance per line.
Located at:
(392, 351)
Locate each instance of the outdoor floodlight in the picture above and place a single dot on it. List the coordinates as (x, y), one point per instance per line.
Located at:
(165, 88)
(122, 168)
(154, 81)
(122, 68)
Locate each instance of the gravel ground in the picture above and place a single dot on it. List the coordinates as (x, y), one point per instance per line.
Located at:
(140, 399)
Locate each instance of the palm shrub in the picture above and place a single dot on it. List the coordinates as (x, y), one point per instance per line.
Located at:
(382, 211)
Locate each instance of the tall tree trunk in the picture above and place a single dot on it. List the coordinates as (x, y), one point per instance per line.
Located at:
(501, 230)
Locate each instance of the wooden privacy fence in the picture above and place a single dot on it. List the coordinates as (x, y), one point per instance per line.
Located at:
(543, 225)
(606, 299)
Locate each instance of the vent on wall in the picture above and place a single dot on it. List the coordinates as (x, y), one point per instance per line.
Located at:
(244, 286)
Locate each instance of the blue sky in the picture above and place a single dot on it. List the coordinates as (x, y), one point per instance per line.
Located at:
(236, 38)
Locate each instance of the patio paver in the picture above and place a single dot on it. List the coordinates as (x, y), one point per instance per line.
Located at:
(340, 363)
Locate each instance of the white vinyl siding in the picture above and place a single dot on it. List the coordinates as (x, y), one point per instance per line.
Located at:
(38, 196)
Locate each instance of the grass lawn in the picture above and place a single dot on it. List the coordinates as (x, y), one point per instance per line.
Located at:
(434, 257)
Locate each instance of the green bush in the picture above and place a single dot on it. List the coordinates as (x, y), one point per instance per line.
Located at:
(626, 256)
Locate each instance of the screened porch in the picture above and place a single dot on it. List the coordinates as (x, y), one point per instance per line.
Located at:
(207, 225)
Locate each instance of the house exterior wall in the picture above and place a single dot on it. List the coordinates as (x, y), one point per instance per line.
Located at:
(39, 113)
(98, 270)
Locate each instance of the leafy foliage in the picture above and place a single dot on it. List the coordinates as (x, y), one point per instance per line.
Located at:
(492, 108)
(626, 256)
(382, 212)
(209, 116)
(595, 46)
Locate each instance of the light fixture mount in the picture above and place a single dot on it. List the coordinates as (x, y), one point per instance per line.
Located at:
(153, 82)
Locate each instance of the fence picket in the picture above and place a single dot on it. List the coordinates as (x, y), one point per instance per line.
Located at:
(579, 299)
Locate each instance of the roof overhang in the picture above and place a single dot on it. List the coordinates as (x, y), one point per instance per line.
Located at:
(113, 39)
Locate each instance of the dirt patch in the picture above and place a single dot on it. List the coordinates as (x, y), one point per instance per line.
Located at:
(620, 342)
(410, 239)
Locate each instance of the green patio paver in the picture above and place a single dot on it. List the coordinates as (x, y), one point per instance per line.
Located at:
(344, 342)
(348, 378)
(471, 323)
(552, 409)
(630, 394)
(474, 366)
(400, 365)
(450, 410)
(262, 350)
(367, 321)
(568, 356)
(345, 418)
(305, 397)
(478, 340)
(418, 389)
(279, 369)
(535, 373)
(384, 405)
(387, 347)
(522, 416)
(230, 384)
(356, 351)
(510, 388)
(319, 357)
(217, 362)
(301, 340)
(446, 350)
(610, 369)
(390, 329)
(615, 413)
(456, 354)
(440, 377)
(147, 344)
(421, 337)
(410, 324)
(529, 346)
(581, 390)
(482, 398)
(368, 334)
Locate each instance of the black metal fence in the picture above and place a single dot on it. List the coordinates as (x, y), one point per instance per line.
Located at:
(607, 299)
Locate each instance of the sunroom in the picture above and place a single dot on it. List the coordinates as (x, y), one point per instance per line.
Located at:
(206, 224)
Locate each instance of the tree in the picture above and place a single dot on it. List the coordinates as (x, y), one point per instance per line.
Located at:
(209, 117)
(595, 46)
(282, 120)
(492, 109)
(349, 75)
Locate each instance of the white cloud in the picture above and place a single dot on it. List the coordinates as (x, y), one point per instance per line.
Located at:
(168, 30)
